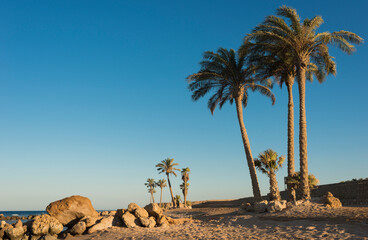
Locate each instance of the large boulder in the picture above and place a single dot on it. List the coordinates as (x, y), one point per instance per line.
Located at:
(331, 201)
(45, 224)
(261, 206)
(4, 228)
(154, 210)
(103, 224)
(69, 210)
(276, 206)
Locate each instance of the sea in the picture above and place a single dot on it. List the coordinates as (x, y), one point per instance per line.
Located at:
(20, 214)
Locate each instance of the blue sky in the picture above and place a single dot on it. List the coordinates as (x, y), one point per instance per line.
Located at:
(93, 95)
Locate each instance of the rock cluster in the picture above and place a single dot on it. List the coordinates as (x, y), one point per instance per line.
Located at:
(77, 216)
(264, 206)
(331, 201)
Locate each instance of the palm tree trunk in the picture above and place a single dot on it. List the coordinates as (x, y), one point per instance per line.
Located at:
(171, 192)
(274, 188)
(185, 193)
(290, 146)
(303, 154)
(248, 152)
(153, 198)
(161, 198)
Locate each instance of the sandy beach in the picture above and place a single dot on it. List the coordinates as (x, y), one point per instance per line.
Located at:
(222, 220)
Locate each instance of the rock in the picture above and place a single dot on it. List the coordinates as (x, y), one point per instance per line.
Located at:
(69, 210)
(178, 220)
(18, 224)
(48, 237)
(103, 224)
(145, 222)
(132, 207)
(130, 220)
(154, 210)
(331, 201)
(162, 220)
(260, 207)
(45, 224)
(2, 224)
(78, 228)
(276, 206)
(89, 221)
(105, 213)
(4, 229)
(152, 223)
(1, 215)
(141, 213)
(112, 213)
(15, 233)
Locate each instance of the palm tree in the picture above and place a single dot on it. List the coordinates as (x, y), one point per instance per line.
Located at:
(167, 166)
(295, 180)
(177, 200)
(304, 46)
(231, 76)
(162, 184)
(185, 177)
(151, 187)
(268, 163)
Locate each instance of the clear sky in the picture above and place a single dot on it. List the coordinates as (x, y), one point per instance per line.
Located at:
(93, 95)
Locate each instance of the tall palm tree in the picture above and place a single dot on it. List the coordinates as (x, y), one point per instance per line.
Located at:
(268, 163)
(185, 177)
(167, 166)
(231, 76)
(304, 46)
(274, 61)
(161, 184)
(151, 187)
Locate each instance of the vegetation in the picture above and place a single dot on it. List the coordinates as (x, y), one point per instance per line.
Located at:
(151, 188)
(295, 180)
(268, 162)
(177, 200)
(167, 166)
(161, 184)
(184, 187)
(230, 76)
(303, 47)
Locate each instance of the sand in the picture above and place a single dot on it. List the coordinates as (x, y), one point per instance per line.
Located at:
(222, 220)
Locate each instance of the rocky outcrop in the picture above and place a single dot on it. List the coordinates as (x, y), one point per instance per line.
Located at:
(15, 233)
(69, 210)
(331, 201)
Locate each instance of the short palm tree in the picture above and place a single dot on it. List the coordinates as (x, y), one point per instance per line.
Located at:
(167, 166)
(295, 180)
(177, 200)
(161, 184)
(268, 163)
(151, 187)
(303, 46)
(230, 76)
(185, 177)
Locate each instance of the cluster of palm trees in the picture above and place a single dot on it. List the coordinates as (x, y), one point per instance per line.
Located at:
(281, 50)
(167, 166)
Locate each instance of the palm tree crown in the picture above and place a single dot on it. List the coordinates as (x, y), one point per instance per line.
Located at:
(269, 161)
(167, 166)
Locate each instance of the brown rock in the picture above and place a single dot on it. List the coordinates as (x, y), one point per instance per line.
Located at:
(69, 210)
(132, 207)
(15, 233)
(331, 201)
(89, 221)
(162, 220)
(154, 210)
(130, 220)
(141, 213)
(18, 224)
(45, 224)
(179, 220)
(103, 224)
(78, 228)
